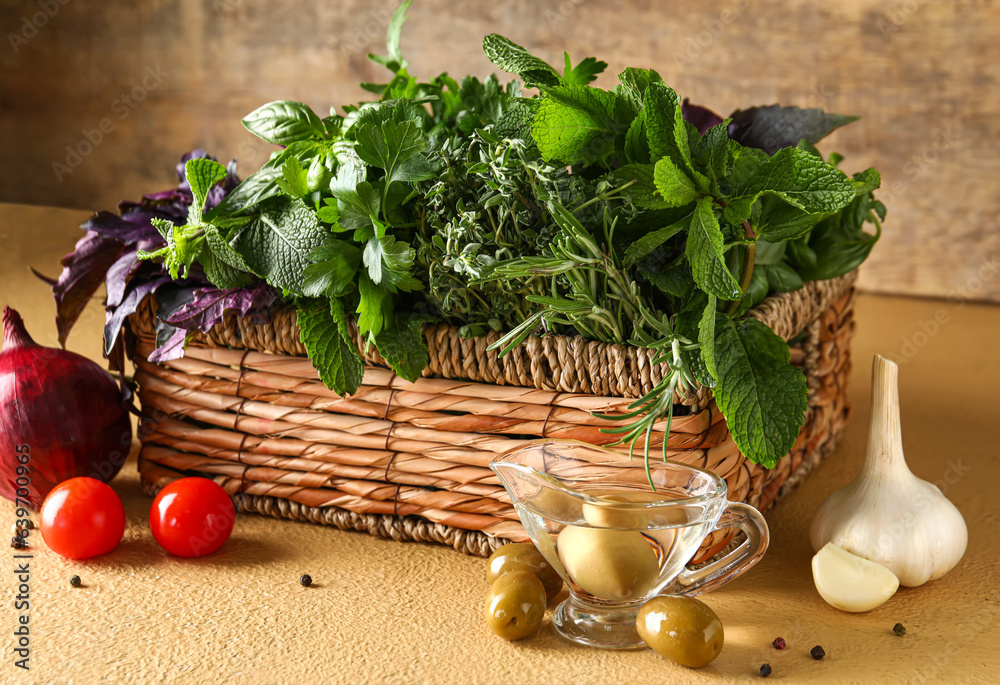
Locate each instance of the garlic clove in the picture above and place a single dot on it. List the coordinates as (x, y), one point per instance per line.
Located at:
(849, 582)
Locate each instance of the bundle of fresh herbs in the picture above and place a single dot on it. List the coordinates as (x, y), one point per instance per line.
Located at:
(621, 215)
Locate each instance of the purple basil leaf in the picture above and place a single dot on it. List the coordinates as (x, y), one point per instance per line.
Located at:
(773, 127)
(209, 304)
(137, 289)
(701, 117)
(170, 348)
(83, 272)
(114, 227)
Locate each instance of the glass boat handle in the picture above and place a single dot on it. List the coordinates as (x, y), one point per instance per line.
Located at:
(720, 572)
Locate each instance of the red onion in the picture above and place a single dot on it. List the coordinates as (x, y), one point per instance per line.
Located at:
(61, 416)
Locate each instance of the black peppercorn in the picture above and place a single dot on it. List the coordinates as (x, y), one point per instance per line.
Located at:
(765, 670)
(306, 580)
(817, 652)
(899, 629)
(74, 581)
(17, 542)
(779, 643)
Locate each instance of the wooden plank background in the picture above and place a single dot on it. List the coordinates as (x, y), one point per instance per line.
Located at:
(97, 100)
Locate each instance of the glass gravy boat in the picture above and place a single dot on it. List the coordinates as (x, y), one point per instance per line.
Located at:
(614, 540)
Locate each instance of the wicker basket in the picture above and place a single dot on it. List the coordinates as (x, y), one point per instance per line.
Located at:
(409, 460)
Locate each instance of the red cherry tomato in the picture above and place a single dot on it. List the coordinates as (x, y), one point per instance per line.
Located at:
(82, 518)
(192, 517)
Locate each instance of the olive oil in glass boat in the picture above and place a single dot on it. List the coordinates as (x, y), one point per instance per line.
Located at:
(616, 541)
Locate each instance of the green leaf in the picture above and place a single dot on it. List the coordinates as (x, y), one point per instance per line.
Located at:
(358, 202)
(390, 145)
(576, 124)
(511, 57)
(332, 275)
(394, 58)
(716, 152)
(767, 253)
(388, 260)
(375, 306)
(632, 86)
(636, 144)
(705, 252)
(762, 396)
(402, 344)
(323, 330)
(782, 221)
(782, 278)
(284, 122)
(796, 176)
(665, 126)
(773, 127)
(584, 72)
(866, 181)
(277, 244)
(201, 173)
(293, 180)
(248, 194)
(690, 323)
(673, 185)
(706, 336)
(649, 242)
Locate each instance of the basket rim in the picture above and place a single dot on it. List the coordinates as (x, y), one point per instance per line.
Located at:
(553, 361)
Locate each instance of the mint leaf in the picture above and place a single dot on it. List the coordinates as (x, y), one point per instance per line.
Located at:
(762, 396)
(673, 185)
(584, 72)
(642, 191)
(774, 127)
(402, 344)
(705, 251)
(329, 347)
(284, 122)
(715, 152)
(575, 124)
(782, 221)
(665, 126)
(706, 336)
(690, 323)
(649, 242)
(332, 275)
(201, 173)
(794, 175)
(632, 86)
(511, 57)
(782, 278)
(277, 244)
(636, 144)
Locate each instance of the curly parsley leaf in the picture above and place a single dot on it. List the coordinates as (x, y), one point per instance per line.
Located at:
(584, 72)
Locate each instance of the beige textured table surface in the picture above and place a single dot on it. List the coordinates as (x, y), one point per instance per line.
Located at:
(382, 611)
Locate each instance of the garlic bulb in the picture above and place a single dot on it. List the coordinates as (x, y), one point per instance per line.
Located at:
(887, 514)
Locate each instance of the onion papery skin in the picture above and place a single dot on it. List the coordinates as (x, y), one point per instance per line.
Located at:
(62, 410)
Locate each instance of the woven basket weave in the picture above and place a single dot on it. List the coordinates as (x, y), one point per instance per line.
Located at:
(409, 461)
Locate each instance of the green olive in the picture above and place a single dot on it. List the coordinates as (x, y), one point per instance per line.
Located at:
(520, 556)
(603, 515)
(608, 564)
(682, 629)
(515, 605)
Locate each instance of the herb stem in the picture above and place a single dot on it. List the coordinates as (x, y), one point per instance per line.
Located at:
(747, 266)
